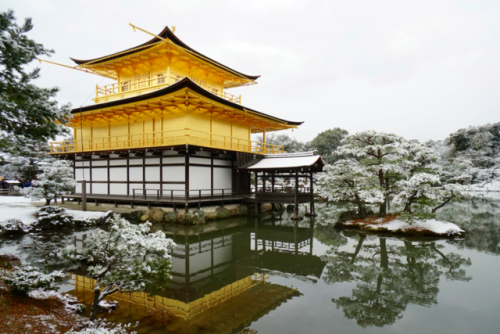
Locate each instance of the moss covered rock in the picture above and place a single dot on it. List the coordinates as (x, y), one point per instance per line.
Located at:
(223, 213)
(170, 217)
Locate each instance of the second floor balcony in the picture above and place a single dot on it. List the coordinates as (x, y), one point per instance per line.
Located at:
(146, 83)
(161, 139)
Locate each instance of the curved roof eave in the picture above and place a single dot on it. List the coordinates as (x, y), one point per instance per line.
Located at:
(166, 33)
(184, 83)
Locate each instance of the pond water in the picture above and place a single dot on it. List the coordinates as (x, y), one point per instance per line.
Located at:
(274, 275)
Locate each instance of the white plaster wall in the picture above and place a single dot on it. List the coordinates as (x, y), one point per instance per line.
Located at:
(99, 163)
(99, 188)
(135, 162)
(82, 163)
(136, 174)
(199, 177)
(118, 174)
(117, 162)
(152, 161)
(222, 178)
(199, 161)
(99, 174)
(219, 162)
(78, 188)
(153, 174)
(174, 160)
(118, 189)
(173, 187)
(173, 173)
(79, 172)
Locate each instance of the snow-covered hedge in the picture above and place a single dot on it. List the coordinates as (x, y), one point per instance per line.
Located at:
(13, 226)
(27, 278)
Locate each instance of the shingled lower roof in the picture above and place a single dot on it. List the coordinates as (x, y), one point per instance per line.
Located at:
(184, 83)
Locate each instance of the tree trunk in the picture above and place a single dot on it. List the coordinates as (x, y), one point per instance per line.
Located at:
(382, 212)
(362, 211)
(442, 204)
(47, 201)
(95, 304)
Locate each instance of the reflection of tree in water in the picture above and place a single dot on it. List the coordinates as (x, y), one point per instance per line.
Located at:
(480, 217)
(329, 235)
(389, 277)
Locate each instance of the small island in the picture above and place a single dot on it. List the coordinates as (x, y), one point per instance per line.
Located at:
(375, 169)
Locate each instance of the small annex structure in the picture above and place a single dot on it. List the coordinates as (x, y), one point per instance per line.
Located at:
(167, 131)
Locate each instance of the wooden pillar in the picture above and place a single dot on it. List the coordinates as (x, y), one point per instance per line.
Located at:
(272, 182)
(264, 140)
(255, 194)
(84, 195)
(296, 206)
(263, 182)
(311, 189)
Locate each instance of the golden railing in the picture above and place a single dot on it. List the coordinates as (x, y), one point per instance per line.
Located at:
(165, 138)
(159, 80)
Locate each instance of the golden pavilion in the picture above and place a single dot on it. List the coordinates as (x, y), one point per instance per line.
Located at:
(168, 129)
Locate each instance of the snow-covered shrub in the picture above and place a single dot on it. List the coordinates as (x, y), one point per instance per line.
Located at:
(24, 279)
(13, 226)
(51, 217)
(71, 303)
(101, 326)
(55, 180)
(125, 258)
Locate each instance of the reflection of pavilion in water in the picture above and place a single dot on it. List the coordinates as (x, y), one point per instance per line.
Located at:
(218, 280)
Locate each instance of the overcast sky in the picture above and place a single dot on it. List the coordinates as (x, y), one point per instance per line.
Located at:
(421, 69)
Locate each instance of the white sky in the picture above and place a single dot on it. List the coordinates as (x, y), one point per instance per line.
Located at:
(421, 69)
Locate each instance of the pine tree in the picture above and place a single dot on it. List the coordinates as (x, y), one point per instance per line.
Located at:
(55, 180)
(26, 111)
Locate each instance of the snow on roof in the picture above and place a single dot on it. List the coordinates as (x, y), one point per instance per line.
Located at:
(287, 162)
(12, 181)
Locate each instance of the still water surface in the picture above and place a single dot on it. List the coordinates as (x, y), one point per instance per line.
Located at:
(274, 275)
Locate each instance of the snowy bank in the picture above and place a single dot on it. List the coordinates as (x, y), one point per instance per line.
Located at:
(25, 210)
(392, 224)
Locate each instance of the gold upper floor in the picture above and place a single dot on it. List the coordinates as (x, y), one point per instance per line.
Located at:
(161, 62)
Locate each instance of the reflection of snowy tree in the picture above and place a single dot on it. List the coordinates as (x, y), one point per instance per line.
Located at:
(389, 277)
(480, 217)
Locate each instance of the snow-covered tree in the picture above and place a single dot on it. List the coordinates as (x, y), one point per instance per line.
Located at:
(125, 258)
(387, 157)
(25, 109)
(475, 157)
(55, 180)
(347, 181)
(427, 187)
(385, 166)
(22, 157)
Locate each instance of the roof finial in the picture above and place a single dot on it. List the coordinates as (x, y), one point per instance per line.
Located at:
(173, 29)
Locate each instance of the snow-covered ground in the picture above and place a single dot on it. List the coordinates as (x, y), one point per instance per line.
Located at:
(431, 226)
(18, 207)
(23, 208)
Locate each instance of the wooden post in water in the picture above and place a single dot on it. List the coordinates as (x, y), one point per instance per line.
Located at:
(84, 195)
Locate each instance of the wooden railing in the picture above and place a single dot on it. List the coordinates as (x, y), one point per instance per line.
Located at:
(178, 194)
(165, 138)
(159, 80)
